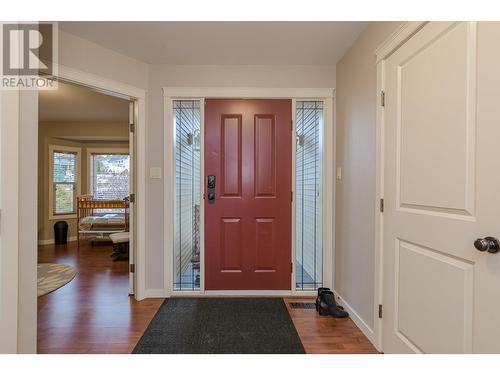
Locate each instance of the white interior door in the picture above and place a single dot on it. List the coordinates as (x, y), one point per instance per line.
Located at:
(442, 191)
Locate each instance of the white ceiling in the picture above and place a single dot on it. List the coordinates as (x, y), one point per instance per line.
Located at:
(71, 103)
(223, 43)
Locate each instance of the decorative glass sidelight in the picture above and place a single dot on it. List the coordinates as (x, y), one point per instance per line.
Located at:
(308, 202)
(186, 120)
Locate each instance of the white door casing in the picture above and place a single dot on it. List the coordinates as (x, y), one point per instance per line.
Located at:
(132, 188)
(200, 93)
(9, 228)
(441, 186)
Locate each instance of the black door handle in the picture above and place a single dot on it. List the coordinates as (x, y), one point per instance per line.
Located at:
(489, 244)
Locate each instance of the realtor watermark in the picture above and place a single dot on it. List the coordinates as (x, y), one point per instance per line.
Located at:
(28, 55)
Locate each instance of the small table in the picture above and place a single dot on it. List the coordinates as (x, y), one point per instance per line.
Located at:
(120, 245)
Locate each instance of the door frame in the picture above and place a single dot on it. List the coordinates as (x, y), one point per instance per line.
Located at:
(115, 88)
(138, 156)
(404, 32)
(327, 95)
(10, 103)
(20, 111)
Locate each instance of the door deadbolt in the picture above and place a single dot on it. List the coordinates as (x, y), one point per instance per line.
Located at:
(211, 189)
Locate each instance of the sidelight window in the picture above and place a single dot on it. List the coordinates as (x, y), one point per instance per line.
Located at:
(308, 202)
(186, 120)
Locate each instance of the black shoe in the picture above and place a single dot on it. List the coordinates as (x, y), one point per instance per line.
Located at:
(318, 298)
(328, 306)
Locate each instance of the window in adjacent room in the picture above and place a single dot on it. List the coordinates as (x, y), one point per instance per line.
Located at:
(64, 180)
(109, 174)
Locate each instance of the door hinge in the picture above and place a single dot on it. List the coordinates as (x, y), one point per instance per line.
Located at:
(291, 196)
(132, 198)
(381, 204)
(382, 98)
(131, 268)
(132, 128)
(291, 267)
(291, 124)
(380, 311)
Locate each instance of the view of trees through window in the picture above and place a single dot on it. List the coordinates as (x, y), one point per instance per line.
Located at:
(64, 180)
(110, 177)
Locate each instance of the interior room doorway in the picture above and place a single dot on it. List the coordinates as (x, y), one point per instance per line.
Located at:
(86, 209)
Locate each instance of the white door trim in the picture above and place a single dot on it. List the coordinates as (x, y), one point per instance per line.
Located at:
(200, 93)
(246, 92)
(386, 48)
(398, 37)
(9, 224)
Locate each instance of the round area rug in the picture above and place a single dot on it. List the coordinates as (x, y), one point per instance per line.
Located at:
(52, 276)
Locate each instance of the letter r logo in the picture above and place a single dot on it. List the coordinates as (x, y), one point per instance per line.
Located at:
(27, 49)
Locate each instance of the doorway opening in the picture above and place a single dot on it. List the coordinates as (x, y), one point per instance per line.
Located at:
(85, 212)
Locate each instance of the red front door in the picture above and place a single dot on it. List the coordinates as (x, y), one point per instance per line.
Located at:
(248, 213)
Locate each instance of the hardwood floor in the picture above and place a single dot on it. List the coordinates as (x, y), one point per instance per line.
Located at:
(328, 335)
(94, 314)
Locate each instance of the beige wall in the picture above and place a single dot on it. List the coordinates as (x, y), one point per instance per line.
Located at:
(356, 151)
(81, 54)
(47, 135)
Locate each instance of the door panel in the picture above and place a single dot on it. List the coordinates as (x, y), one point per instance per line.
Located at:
(231, 156)
(265, 156)
(420, 305)
(248, 148)
(435, 78)
(440, 192)
(264, 245)
(231, 241)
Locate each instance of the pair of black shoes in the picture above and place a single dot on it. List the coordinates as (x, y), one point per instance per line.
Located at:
(326, 304)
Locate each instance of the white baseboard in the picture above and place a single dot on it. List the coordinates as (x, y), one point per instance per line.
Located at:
(161, 293)
(248, 293)
(360, 323)
(152, 293)
(51, 241)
